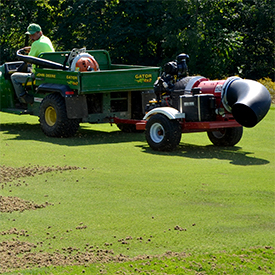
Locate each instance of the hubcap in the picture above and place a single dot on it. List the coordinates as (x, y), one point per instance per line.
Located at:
(50, 116)
(218, 134)
(157, 132)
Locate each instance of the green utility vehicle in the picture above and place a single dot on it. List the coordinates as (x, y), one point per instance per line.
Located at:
(65, 95)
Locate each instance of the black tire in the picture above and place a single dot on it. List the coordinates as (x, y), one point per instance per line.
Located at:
(53, 117)
(162, 134)
(226, 136)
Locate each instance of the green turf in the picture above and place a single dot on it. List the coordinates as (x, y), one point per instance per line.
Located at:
(221, 198)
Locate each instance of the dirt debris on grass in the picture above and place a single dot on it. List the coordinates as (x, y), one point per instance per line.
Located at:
(15, 231)
(22, 255)
(11, 204)
(179, 228)
(8, 174)
(17, 254)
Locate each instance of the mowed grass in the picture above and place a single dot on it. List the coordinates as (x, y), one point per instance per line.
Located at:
(200, 199)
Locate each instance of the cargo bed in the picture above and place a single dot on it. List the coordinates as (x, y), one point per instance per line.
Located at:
(110, 78)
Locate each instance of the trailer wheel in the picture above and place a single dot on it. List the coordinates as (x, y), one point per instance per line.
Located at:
(162, 134)
(226, 136)
(53, 117)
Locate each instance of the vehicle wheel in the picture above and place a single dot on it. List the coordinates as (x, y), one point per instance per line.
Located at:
(53, 117)
(162, 134)
(226, 136)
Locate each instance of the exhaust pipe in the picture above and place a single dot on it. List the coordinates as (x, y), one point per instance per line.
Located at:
(247, 100)
(39, 61)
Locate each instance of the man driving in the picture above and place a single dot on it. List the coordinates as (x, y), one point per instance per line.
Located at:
(40, 44)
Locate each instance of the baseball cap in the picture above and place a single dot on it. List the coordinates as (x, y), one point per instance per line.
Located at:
(33, 28)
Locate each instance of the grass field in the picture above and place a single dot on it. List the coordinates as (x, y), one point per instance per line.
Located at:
(104, 203)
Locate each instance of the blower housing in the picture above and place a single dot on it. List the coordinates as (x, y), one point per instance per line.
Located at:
(202, 99)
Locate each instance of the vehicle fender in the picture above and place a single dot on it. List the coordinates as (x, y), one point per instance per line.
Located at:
(169, 112)
(76, 105)
(52, 88)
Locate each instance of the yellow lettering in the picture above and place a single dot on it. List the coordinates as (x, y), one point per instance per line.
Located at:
(50, 75)
(137, 76)
(71, 77)
(72, 83)
(148, 80)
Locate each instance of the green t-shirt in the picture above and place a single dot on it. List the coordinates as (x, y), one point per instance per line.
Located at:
(42, 45)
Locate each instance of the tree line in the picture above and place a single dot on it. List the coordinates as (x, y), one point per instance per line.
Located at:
(222, 37)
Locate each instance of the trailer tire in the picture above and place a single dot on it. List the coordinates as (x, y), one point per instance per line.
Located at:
(226, 136)
(53, 117)
(162, 134)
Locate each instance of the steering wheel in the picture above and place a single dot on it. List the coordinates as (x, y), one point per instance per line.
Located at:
(38, 61)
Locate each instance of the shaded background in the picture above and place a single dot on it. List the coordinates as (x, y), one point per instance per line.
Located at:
(222, 37)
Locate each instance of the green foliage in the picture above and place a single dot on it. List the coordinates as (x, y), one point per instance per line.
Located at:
(259, 37)
(223, 38)
(270, 85)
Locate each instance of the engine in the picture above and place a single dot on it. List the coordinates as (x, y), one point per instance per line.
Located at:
(81, 61)
(84, 62)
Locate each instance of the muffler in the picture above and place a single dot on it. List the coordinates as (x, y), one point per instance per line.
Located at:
(247, 100)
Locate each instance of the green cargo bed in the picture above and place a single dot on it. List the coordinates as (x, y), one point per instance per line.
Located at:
(111, 77)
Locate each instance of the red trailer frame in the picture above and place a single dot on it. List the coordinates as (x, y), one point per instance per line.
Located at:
(187, 127)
